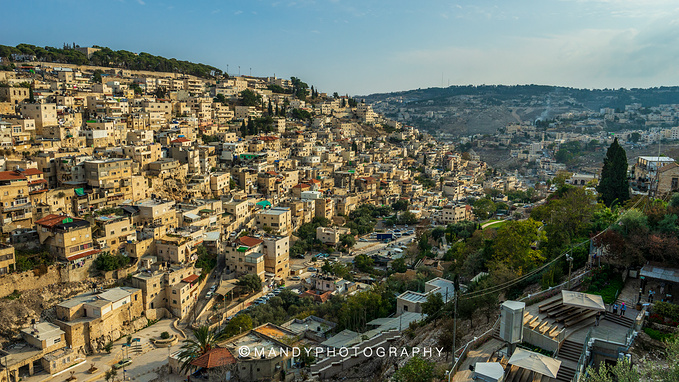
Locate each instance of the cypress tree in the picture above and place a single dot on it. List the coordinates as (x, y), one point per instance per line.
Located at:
(613, 186)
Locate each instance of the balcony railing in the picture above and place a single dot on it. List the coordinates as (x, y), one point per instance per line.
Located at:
(17, 207)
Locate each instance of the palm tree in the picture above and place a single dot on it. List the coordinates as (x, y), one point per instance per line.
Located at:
(205, 340)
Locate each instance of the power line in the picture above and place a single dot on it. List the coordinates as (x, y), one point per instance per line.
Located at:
(505, 285)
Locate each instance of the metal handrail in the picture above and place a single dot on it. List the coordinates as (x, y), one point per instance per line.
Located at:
(465, 349)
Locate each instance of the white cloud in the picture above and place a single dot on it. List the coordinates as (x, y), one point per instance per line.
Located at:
(585, 58)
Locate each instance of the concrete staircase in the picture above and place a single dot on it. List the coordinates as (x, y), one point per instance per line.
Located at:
(620, 320)
(570, 350)
(565, 374)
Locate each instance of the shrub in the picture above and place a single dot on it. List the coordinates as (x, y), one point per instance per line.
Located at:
(606, 283)
(667, 310)
(164, 335)
(658, 335)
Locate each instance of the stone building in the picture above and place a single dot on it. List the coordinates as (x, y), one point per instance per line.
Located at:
(92, 319)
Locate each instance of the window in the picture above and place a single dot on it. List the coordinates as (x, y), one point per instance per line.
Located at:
(675, 183)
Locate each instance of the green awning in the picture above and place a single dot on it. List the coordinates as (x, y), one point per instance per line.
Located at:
(242, 248)
(79, 192)
(264, 203)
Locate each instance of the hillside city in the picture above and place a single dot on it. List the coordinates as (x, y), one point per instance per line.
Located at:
(159, 225)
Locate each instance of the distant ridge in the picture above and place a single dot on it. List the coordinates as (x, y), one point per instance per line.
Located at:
(108, 58)
(467, 110)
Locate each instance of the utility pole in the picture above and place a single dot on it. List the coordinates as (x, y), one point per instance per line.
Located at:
(569, 258)
(456, 285)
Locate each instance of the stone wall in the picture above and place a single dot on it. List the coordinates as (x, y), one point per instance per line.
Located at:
(28, 280)
(157, 314)
(75, 273)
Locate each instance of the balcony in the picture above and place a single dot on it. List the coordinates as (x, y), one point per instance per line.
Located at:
(17, 207)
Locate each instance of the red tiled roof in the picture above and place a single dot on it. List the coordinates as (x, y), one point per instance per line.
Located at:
(190, 279)
(249, 241)
(319, 297)
(180, 140)
(315, 181)
(214, 358)
(37, 181)
(84, 254)
(51, 220)
(11, 175)
(32, 171)
(302, 185)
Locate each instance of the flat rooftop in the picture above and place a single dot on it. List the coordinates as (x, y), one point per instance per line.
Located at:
(411, 296)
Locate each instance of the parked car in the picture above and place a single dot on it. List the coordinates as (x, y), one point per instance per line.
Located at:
(296, 278)
(123, 363)
(312, 269)
(209, 295)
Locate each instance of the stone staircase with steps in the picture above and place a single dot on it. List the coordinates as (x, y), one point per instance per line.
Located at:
(569, 355)
(565, 374)
(570, 350)
(138, 348)
(620, 320)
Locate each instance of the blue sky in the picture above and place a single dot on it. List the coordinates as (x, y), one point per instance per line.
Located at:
(364, 46)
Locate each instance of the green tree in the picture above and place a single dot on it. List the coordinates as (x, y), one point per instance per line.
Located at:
(399, 265)
(348, 241)
(416, 369)
(250, 283)
(110, 375)
(202, 342)
(483, 208)
(613, 186)
(250, 98)
(407, 218)
(221, 99)
(635, 137)
(622, 371)
(239, 324)
(514, 245)
(446, 335)
(161, 92)
(363, 263)
(96, 76)
(400, 205)
(433, 304)
(671, 372)
(106, 262)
